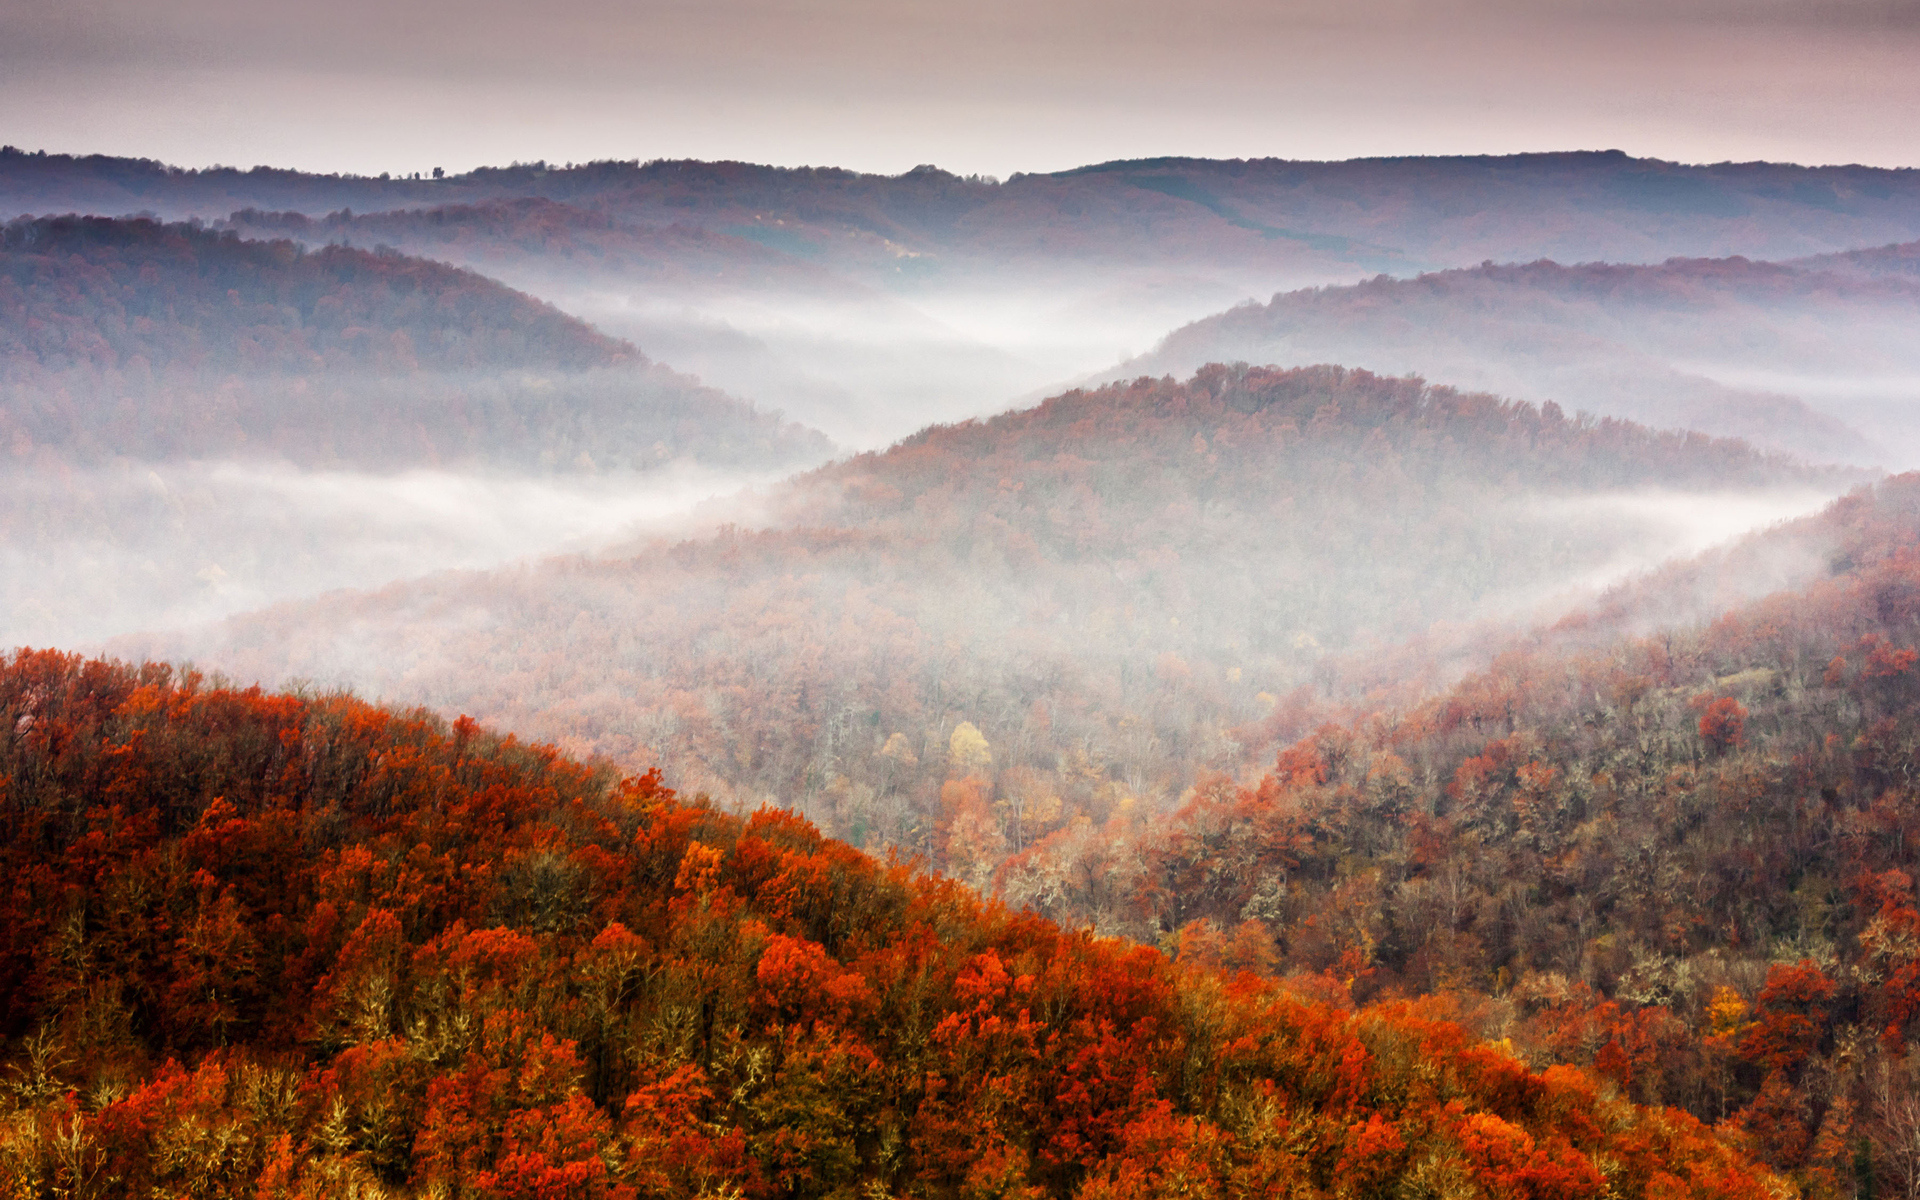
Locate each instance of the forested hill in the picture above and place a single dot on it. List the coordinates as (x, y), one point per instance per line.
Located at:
(998, 630)
(1722, 345)
(132, 338)
(91, 291)
(259, 944)
(1686, 859)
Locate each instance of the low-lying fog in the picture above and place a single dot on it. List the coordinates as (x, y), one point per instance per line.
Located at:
(1650, 527)
(1884, 408)
(86, 555)
(868, 369)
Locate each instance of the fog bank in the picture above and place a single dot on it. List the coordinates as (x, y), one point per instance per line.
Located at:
(86, 555)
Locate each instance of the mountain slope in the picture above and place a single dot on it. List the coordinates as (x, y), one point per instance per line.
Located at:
(1072, 607)
(869, 305)
(274, 944)
(1900, 259)
(105, 292)
(193, 424)
(1686, 859)
(130, 338)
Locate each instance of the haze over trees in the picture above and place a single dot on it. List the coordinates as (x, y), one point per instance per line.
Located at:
(998, 630)
(870, 305)
(191, 423)
(1814, 357)
(140, 340)
(1685, 860)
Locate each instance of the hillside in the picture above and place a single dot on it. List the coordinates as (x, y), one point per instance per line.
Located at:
(825, 338)
(135, 339)
(1900, 259)
(1684, 859)
(296, 945)
(534, 234)
(89, 290)
(868, 306)
(195, 424)
(998, 630)
(1791, 357)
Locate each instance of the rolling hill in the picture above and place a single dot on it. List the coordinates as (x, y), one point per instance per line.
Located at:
(192, 424)
(149, 341)
(996, 630)
(868, 306)
(1759, 350)
(1363, 213)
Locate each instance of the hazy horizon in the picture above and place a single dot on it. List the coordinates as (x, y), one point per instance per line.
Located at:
(982, 89)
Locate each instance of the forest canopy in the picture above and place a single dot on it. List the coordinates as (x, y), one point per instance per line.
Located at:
(309, 947)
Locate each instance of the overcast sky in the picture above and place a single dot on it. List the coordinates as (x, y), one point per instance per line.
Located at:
(990, 86)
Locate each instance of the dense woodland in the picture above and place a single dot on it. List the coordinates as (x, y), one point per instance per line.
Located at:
(294, 945)
(1685, 860)
(1902, 258)
(1213, 786)
(1053, 618)
(1644, 342)
(136, 339)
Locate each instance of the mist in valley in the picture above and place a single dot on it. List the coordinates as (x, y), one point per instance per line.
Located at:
(868, 373)
(1118, 593)
(90, 554)
(1167, 592)
(656, 677)
(1813, 359)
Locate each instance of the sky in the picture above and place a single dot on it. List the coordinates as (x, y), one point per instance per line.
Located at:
(974, 86)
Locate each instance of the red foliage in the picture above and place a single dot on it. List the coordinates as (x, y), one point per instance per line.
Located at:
(1723, 723)
(483, 969)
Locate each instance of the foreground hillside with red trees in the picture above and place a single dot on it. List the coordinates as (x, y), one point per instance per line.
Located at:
(1000, 631)
(294, 945)
(137, 339)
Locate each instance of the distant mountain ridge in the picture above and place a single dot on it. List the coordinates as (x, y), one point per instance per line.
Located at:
(1419, 212)
(869, 305)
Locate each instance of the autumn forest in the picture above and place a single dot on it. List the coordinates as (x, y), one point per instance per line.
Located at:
(1383, 680)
